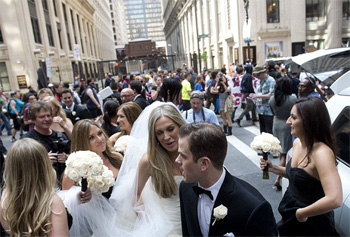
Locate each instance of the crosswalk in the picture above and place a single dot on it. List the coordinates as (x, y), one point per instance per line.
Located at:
(244, 147)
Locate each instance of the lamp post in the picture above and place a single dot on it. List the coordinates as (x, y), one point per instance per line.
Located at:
(246, 28)
(172, 56)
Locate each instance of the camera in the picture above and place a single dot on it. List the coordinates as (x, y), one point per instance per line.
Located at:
(220, 77)
(61, 145)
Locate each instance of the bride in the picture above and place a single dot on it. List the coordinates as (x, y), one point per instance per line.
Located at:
(151, 207)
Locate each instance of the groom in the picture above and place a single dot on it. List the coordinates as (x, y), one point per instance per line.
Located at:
(207, 185)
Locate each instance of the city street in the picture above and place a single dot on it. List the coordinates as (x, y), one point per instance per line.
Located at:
(241, 160)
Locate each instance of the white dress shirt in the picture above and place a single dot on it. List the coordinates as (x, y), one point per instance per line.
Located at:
(205, 204)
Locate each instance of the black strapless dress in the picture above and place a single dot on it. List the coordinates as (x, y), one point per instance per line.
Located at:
(303, 190)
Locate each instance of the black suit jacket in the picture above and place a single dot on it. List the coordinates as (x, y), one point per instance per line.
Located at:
(249, 214)
(141, 102)
(79, 113)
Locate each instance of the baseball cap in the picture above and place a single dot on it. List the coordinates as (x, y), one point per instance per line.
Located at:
(13, 92)
(197, 94)
(259, 69)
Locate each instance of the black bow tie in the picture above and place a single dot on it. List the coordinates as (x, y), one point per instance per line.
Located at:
(199, 191)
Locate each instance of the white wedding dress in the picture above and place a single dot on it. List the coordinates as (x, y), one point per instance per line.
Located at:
(156, 216)
(94, 218)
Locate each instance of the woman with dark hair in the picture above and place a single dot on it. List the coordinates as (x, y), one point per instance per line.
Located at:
(280, 105)
(170, 91)
(222, 88)
(110, 124)
(126, 116)
(314, 183)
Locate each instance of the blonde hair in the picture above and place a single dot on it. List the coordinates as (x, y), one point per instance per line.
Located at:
(132, 112)
(57, 111)
(162, 167)
(46, 91)
(80, 141)
(30, 183)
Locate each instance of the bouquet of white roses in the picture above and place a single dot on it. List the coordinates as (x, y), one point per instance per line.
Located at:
(122, 144)
(102, 182)
(266, 142)
(85, 166)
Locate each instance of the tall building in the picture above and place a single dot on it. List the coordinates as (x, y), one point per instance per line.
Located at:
(118, 22)
(65, 38)
(214, 29)
(144, 19)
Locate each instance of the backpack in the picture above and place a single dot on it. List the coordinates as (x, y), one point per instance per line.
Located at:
(84, 96)
(6, 109)
(25, 127)
(208, 96)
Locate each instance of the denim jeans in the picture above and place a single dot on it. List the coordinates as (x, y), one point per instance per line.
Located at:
(5, 124)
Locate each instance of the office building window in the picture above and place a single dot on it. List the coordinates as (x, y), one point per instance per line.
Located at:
(45, 5)
(346, 9)
(319, 44)
(1, 38)
(54, 7)
(36, 30)
(4, 77)
(315, 10)
(49, 35)
(59, 32)
(273, 11)
(34, 21)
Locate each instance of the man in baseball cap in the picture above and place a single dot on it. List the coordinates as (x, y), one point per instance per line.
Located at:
(265, 86)
(198, 113)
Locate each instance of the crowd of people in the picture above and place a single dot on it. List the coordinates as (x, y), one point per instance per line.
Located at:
(170, 181)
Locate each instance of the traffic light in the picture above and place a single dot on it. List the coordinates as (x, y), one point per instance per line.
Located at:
(116, 64)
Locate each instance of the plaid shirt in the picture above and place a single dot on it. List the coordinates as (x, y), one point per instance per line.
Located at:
(265, 87)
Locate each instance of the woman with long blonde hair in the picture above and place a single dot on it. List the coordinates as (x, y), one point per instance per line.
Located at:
(29, 204)
(60, 122)
(88, 135)
(154, 196)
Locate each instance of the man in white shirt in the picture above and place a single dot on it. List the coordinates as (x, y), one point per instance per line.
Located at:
(198, 113)
(208, 186)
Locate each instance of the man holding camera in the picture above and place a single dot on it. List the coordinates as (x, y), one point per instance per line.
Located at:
(56, 143)
(198, 113)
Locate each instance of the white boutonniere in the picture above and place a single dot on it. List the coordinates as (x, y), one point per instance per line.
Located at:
(74, 113)
(219, 213)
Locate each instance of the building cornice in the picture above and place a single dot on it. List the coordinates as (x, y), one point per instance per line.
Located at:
(87, 6)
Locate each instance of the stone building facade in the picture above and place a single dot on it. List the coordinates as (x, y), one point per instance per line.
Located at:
(66, 38)
(278, 28)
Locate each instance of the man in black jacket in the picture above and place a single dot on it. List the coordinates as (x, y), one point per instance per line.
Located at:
(213, 202)
(139, 97)
(247, 88)
(74, 112)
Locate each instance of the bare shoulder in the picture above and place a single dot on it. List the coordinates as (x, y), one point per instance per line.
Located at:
(57, 205)
(114, 137)
(120, 156)
(323, 153)
(296, 143)
(144, 162)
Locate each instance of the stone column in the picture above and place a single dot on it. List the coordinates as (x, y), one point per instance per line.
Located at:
(334, 23)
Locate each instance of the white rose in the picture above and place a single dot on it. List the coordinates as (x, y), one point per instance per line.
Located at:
(122, 143)
(266, 147)
(96, 169)
(73, 175)
(219, 213)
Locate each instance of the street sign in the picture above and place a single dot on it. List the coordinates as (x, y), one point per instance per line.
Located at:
(203, 36)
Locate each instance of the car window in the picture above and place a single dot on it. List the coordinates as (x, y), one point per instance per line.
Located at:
(341, 128)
